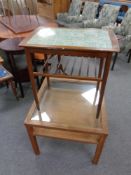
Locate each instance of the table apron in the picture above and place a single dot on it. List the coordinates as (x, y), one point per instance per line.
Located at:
(84, 53)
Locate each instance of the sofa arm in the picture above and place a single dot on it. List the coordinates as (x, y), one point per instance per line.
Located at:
(128, 38)
(91, 23)
(74, 19)
(62, 16)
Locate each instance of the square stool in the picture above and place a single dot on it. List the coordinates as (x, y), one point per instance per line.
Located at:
(6, 76)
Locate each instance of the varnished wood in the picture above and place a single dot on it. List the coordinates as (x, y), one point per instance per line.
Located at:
(33, 140)
(99, 148)
(1, 60)
(64, 123)
(6, 33)
(65, 49)
(50, 10)
(102, 90)
(69, 115)
(11, 49)
(30, 68)
(101, 53)
(28, 23)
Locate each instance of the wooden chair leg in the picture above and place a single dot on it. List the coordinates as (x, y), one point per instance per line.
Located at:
(7, 85)
(99, 148)
(129, 57)
(13, 88)
(114, 61)
(21, 89)
(33, 140)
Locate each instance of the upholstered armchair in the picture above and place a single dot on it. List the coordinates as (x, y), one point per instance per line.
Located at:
(74, 10)
(123, 33)
(107, 16)
(89, 13)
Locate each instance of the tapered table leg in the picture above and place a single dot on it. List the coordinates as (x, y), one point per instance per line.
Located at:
(33, 140)
(99, 148)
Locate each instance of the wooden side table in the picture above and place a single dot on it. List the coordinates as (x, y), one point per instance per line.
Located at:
(63, 112)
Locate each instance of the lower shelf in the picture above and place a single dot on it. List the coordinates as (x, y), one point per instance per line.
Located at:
(68, 112)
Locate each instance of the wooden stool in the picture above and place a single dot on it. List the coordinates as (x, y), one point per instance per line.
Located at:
(12, 49)
(6, 76)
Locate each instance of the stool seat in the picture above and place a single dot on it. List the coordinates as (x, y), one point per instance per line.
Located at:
(6, 76)
(11, 45)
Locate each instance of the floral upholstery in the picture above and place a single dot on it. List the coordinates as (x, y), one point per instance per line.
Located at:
(89, 12)
(125, 27)
(124, 31)
(107, 16)
(74, 10)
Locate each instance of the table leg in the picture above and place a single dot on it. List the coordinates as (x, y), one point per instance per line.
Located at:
(99, 148)
(114, 61)
(33, 140)
(99, 76)
(46, 69)
(30, 69)
(104, 79)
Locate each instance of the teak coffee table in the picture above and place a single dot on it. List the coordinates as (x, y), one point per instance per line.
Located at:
(94, 47)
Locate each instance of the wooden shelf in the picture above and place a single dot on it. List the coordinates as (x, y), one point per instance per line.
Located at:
(74, 68)
(68, 110)
(60, 118)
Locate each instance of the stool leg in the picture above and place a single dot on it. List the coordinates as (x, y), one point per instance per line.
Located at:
(114, 61)
(13, 88)
(7, 84)
(21, 89)
(14, 71)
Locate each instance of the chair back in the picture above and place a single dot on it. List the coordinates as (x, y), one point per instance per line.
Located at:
(126, 23)
(18, 7)
(90, 10)
(75, 8)
(109, 14)
(5, 12)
